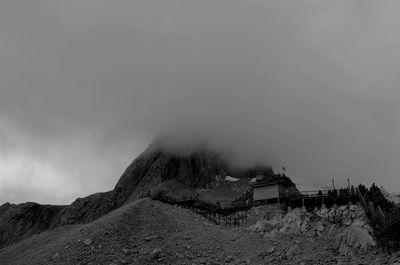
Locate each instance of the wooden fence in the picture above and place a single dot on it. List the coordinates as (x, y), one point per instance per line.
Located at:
(386, 227)
(317, 198)
(226, 217)
(233, 214)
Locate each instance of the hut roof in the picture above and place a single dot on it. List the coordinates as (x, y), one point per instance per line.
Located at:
(274, 179)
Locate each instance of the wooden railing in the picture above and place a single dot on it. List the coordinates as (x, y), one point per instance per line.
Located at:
(377, 214)
(232, 214)
(314, 193)
(393, 218)
(325, 193)
(381, 217)
(362, 200)
(384, 224)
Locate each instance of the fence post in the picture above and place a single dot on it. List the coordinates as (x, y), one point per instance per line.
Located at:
(382, 234)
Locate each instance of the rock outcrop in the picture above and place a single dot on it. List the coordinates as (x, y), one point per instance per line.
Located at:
(355, 238)
(84, 210)
(23, 220)
(154, 167)
(346, 225)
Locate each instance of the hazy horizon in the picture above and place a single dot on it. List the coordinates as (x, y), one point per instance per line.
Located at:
(85, 86)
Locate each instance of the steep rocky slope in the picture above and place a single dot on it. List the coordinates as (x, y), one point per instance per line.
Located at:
(156, 170)
(21, 221)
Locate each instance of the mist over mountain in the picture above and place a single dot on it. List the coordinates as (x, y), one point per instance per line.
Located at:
(86, 86)
(199, 131)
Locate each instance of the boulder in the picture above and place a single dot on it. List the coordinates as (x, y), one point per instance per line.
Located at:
(353, 208)
(273, 234)
(354, 238)
(156, 253)
(261, 226)
(304, 227)
(87, 241)
(319, 227)
(229, 259)
(293, 251)
(270, 250)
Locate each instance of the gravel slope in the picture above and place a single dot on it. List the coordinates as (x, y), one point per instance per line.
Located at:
(151, 232)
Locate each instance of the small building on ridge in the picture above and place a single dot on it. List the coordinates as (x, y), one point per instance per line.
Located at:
(272, 189)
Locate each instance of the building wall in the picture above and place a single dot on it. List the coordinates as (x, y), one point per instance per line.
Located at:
(265, 192)
(293, 191)
(286, 192)
(283, 191)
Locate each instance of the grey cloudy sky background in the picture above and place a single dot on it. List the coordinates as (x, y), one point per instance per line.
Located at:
(85, 86)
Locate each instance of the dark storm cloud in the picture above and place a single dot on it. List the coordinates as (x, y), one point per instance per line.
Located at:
(86, 85)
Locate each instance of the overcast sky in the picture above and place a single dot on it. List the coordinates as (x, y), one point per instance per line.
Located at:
(85, 86)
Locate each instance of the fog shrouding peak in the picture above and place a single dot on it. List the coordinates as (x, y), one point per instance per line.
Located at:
(85, 86)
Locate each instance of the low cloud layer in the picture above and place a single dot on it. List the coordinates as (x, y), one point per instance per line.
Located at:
(85, 86)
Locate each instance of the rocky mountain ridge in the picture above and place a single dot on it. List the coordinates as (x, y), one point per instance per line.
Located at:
(156, 169)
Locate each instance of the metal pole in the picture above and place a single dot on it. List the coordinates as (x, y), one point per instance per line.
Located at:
(349, 191)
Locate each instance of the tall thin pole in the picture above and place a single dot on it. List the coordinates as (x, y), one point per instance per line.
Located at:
(349, 191)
